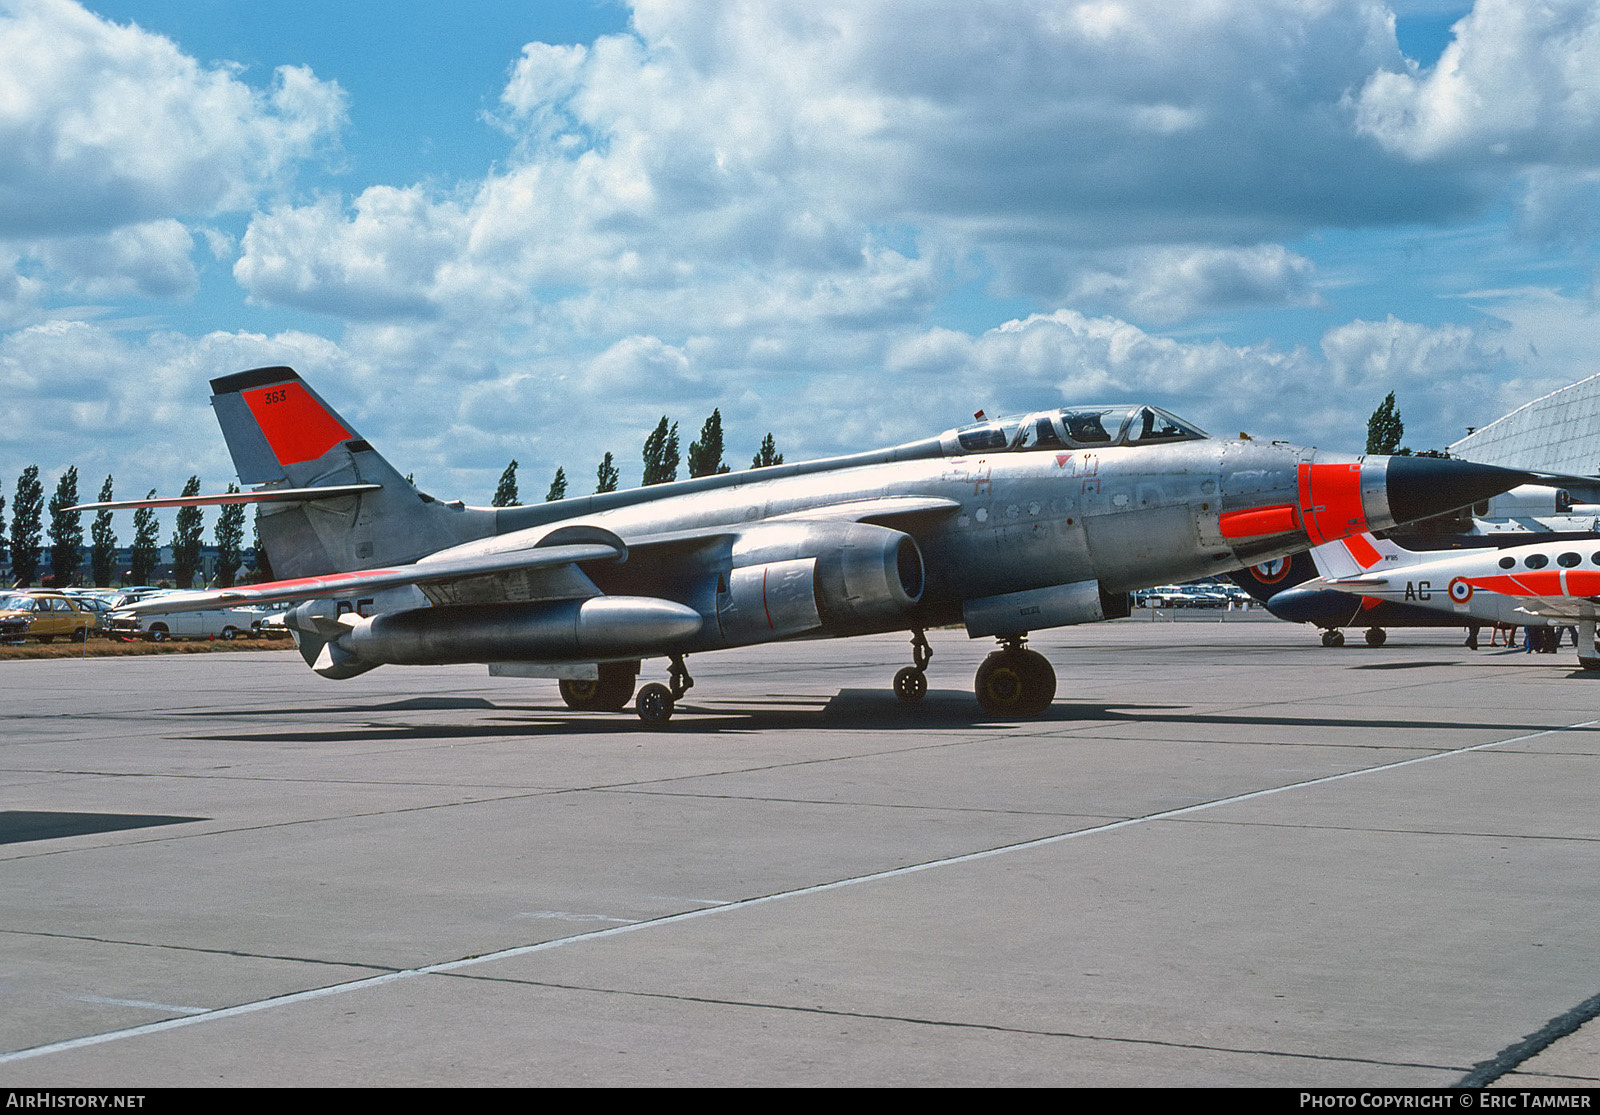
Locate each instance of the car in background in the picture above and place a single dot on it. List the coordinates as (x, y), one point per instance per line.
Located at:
(35, 614)
(218, 623)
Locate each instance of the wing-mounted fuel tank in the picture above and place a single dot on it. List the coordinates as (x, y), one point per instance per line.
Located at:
(838, 578)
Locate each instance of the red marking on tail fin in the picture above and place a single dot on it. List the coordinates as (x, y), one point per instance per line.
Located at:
(1362, 549)
(296, 425)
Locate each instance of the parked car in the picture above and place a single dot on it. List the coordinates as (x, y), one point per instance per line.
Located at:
(44, 616)
(220, 623)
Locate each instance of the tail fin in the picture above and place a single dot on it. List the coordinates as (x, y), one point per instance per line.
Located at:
(283, 435)
(1359, 554)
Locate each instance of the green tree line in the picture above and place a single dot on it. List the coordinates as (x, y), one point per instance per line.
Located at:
(661, 456)
(33, 522)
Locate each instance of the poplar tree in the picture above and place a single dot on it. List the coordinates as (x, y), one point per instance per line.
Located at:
(705, 454)
(146, 548)
(230, 541)
(558, 486)
(661, 454)
(768, 454)
(186, 538)
(66, 531)
(606, 476)
(26, 512)
(1384, 428)
(103, 542)
(3, 543)
(505, 495)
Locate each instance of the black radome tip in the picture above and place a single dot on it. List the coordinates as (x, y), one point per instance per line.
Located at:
(1421, 487)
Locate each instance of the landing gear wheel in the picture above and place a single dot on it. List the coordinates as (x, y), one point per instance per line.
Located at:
(1333, 638)
(1015, 682)
(910, 685)
(610, 692)
(655, 703)
(1376, 636)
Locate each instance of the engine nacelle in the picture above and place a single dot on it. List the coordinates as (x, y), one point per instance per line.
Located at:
(790, 578)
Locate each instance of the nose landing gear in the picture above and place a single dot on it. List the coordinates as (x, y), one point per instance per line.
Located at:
(911, 683)
(656, 702)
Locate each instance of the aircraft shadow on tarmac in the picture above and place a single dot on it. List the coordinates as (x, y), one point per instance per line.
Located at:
(20, 826)
(872, 709)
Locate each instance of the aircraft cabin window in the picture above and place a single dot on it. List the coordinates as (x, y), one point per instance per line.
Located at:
(1507, 563)
(987, 437)
(1077, 428)
(1568, 560)
(1150, 425)
(1538, 561)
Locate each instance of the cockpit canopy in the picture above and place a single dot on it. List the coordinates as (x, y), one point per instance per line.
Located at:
(1093, 427)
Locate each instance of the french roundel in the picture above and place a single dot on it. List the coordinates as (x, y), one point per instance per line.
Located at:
(1460, 591)
(1271, 572)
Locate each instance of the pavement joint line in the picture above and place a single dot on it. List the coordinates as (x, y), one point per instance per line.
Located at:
(945, 1023)
(450, 966)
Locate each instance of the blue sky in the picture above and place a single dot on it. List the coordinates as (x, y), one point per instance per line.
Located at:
(528, 230)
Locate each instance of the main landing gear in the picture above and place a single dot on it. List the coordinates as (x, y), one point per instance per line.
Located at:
(656, 701)
(1014, 681)
(610, 692)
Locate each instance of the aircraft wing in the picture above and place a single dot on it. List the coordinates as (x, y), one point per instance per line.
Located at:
(550, 557)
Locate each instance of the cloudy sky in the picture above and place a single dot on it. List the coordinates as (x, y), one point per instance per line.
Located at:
(505, 229)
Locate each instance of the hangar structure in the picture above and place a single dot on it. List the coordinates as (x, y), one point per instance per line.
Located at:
(1558, 432)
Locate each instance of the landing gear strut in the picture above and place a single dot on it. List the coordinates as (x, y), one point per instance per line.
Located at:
(1586, 646)
(656, 701)
(911, 683)
(1014, 681)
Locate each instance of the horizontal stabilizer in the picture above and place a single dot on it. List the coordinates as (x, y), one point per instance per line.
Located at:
(269, 495)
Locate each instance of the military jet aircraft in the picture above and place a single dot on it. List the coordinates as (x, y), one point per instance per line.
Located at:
(1006, 526)
(1540, 585)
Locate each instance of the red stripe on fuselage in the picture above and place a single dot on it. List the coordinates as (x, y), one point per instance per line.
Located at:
(1543, 583)
(297, 427)
(1330, 502)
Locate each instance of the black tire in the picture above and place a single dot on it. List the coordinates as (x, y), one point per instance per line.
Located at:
(1333, 637)
(610, 692)
(655, 704)
(230, 633)
(910, 685)
(158, 634)
(81, 635)
(1376, 636)
(1015, 683)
